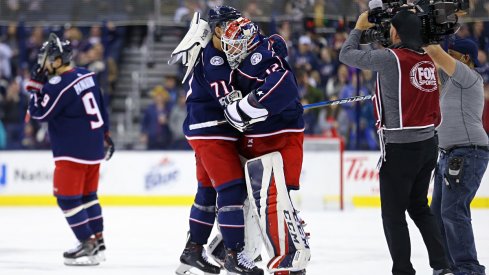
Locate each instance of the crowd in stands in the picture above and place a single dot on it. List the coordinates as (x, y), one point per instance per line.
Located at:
(313, 43)
(96, 47)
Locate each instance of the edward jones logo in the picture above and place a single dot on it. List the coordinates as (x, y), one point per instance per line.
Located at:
(163, 173)
(3, 174)
(423, 76)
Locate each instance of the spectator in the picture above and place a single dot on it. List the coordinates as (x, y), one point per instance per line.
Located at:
(185, 12)
(336, 84)
(3, 136)
(305, 57)
(5, 66)
(252, 10)
(484, 66)
(172, 89)
(327, 66)
(156, 132)
(177, 117)
(478, 35)
(29, 139)
(14, 107)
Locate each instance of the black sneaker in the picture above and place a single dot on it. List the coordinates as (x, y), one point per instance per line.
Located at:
(238, 263)
(194, 256)
(84, 254)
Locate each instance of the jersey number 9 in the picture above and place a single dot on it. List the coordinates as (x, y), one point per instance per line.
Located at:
(91, 108)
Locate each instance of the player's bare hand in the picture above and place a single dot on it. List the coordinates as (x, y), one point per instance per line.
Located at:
(362, 22)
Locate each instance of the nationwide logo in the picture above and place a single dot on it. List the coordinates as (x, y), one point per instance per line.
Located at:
(423, 76)
(162, 173)
(3, 174)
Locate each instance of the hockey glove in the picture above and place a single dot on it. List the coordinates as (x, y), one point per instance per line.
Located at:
(109, 147)
(38, 78)
(244, 112)
(230, 98)
(279, 45)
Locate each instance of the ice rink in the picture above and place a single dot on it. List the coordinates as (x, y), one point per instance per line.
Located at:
(149, 240)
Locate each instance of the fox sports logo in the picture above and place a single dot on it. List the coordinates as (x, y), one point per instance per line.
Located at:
(423, 76)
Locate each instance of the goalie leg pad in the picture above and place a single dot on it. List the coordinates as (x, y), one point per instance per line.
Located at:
(253, 240)
(284, 237)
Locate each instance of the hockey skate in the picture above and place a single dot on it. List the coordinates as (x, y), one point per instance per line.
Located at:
(84, 254)
(101, 248)
(237, 263)
(194, 256)
(217, 251)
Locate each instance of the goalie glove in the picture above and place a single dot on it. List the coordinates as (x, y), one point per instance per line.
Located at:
(109, 147)
(243, 112)
(230, 98)
(196, 39)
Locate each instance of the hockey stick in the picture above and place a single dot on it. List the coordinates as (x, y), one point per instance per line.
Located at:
(213, 123)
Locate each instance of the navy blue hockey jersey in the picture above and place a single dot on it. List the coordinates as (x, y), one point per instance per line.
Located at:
(208, 83)
(271, 79)
(73, 106)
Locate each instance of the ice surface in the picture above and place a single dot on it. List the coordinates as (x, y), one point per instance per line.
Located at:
(149, 240)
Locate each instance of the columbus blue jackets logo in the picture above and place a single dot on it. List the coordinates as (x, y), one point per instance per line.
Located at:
(423, 76)
(256, 58)
(217, 61)
(55, 80)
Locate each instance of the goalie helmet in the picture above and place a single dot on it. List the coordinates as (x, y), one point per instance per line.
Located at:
(222, 14)
(240, 38)
(54, 48)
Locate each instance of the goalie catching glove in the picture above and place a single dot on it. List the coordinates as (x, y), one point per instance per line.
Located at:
(242, 112)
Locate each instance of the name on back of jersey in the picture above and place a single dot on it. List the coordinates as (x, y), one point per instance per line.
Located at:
(84, 84)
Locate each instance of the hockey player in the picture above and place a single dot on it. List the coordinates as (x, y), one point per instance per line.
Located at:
(270, 117)
(219, 172)
(218, 164)
(71, 103)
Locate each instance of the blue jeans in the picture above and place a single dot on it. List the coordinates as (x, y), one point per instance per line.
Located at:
(451, 207)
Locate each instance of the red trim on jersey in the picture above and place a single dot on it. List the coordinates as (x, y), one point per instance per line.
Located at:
(272, 218)
(249, 76)
(61, 93)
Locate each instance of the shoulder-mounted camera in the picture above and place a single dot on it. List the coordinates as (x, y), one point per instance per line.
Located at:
(438, 18)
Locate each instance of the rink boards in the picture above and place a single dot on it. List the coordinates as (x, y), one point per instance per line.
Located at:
(167, 178)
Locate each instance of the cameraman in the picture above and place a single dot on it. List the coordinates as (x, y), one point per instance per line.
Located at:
(463, 151)
(407, 109)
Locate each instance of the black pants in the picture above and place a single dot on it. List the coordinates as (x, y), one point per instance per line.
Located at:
(404, 182)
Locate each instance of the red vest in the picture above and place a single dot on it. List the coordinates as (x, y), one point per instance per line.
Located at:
(419, 102)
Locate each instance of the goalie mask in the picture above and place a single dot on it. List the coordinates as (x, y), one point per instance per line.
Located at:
(239, 39)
